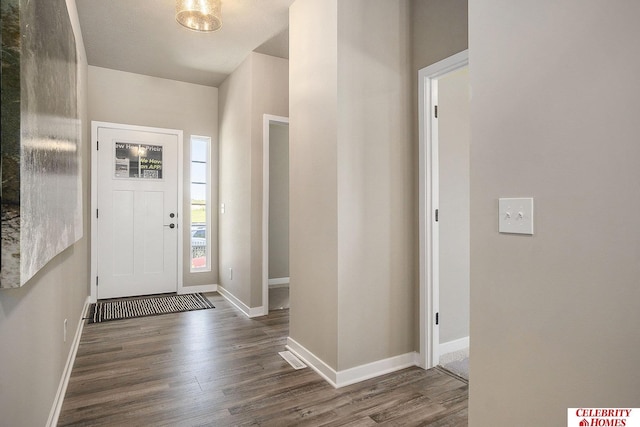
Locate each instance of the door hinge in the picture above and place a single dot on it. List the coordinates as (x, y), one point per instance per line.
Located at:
(97, 145)
(437, 318)
(96, 213)
(437, 215)
(435, 111)
(96, 280)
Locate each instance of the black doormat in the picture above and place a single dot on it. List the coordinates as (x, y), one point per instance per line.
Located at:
(128, 308)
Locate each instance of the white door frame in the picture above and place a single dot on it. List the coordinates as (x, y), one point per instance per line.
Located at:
(428, 203)
(95, 125)
(266, 121)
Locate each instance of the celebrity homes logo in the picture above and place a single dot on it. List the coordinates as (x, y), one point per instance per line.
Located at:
(603, 417)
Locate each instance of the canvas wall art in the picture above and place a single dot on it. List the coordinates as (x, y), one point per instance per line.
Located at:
(41, 190)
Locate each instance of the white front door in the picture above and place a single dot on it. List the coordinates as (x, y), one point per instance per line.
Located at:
(137, 211)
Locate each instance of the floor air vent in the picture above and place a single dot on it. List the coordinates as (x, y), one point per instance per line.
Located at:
(293, 360)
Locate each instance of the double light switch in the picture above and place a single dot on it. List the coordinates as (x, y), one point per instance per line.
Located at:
(515, 215)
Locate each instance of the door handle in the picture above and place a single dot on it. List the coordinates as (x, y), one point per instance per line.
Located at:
(172, 225)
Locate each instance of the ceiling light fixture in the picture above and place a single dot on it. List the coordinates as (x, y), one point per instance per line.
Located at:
(199, 15)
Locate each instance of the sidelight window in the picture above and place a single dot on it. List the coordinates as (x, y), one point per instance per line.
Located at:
(200, 204)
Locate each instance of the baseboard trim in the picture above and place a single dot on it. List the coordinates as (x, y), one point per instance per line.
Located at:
(455, 345)
(248, 311)
(279, 282)
(377, 368)
(197, 288)
(352, 375)
(310, 359)
(54, 414)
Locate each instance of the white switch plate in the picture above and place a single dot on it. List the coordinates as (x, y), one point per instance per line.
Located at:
(515, 215)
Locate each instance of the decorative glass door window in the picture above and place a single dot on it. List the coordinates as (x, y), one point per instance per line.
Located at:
(134, 160)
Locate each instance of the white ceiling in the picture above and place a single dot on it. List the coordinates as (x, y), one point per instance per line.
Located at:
(142, 36)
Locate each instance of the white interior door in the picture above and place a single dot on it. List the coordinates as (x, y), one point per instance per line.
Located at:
(137, 212)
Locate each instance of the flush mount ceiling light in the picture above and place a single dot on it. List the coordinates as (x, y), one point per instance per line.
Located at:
(199, 15)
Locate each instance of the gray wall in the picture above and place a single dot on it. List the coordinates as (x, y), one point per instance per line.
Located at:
(376, 267)
(33, 354)
(453, 152)
(270, 95)
(258, 86)
(313, 222)
(439, 29)
(235, 182)
(278, 201)
(352, 263)
(554, 115)
(120, 97)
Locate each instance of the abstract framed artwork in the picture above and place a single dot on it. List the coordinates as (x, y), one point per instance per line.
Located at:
(41, 189)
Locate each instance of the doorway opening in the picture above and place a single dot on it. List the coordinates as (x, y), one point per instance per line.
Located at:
(444, 220)
(275, 213)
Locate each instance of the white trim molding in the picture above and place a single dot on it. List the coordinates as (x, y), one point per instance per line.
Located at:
(54, 414)
(455, 345)
(427, 204)
(197, 288)
(310, 359)
(377, 368)
(352, 375)
(280, 282)
(248, 311)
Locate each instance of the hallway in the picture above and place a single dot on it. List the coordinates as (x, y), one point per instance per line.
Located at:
(219, 368)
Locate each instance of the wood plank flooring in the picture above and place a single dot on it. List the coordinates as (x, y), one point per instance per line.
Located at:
(219, 368)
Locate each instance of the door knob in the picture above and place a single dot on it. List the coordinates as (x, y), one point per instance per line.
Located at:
(172, 225)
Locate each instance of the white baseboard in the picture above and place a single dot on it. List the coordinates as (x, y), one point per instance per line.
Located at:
(54, 414)
(248, 311)
(377, 368)
(197, 288)
(455, 345)
(324, 370)
(352, 375)
(279, 282)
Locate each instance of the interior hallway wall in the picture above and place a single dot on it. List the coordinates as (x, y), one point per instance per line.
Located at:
(313, 221)
(135, 99)
(235, 182)
(260, 85)
(270, 83)
(352, 268)
(439, 29)
(376, 266)
(554, 116)
(33, 353)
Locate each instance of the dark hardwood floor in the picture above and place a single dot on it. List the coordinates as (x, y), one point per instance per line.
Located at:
(220, 368)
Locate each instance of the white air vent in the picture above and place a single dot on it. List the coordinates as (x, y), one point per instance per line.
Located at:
(293, 360)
